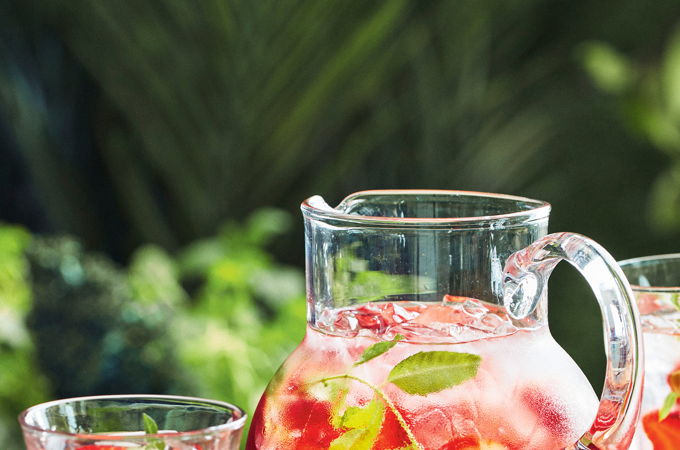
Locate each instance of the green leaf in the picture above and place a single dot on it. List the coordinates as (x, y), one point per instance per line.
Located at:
(378, 349)
(608, 68)
(428, 372)
(363, 417)
(151, 427)
(363, 423)
(670, 76)
(352, 439)
(668, 403)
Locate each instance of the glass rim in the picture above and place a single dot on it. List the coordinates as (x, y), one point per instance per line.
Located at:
(317, 208)
(227, 426)
(650, 260)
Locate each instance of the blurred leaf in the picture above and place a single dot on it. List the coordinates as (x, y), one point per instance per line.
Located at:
(665, 201)
(153, 277)
(197, 257)
(265, 224)
(277, 285)
(14, 292)
(247, 315)
(21, 382)
(609, 69)
(670, 77)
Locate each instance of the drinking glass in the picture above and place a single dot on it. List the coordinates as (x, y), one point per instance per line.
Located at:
(121, 422)
(655, 281)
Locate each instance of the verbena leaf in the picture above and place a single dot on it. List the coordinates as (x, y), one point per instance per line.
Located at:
(378, 349)
(428, 372)
(150, 425)
(363, 423)
(338, 395)
(668, 403)
(367, 417)
(349, 440)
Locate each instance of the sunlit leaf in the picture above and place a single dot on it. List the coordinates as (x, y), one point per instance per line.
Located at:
(609, 69)
(428, 372)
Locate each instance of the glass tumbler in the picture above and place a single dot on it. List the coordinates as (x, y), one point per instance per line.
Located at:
(655, 281)
(122, 422)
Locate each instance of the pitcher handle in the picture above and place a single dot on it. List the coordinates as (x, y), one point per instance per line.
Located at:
(526, 275)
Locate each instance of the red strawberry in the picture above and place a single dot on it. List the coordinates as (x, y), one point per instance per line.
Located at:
(665, 435)
(392, 434)
(312, 420)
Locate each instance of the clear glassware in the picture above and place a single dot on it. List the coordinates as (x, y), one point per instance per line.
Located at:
(427, 329)
(121, 422)
(656, 284)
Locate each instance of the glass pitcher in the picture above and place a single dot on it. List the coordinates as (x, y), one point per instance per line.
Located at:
(427, 329)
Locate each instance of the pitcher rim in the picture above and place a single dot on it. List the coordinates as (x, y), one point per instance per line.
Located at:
(315, 207)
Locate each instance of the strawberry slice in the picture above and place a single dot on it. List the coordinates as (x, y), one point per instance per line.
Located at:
(665, 435)
(392, 434)
(311, 420)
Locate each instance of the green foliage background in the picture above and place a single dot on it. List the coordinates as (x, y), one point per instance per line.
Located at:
(158, 134)
(73, 323)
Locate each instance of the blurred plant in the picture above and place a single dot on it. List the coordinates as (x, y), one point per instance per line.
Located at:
(156, 122)
(21, 383)
(208, 112)
(649, 101)
(99, 329)
(91, 334)
(248, 313)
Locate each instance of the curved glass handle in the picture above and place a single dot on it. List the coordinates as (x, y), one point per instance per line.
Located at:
(526, 274)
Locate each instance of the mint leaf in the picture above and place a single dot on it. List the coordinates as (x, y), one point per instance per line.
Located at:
(668, 403)
(378, 349)
(151, 427)
(428, 372)
(364, 417)
(350, 440)
(364, 425)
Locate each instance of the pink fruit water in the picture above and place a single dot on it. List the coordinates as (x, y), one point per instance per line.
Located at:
(660, 320)
(526, 392)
